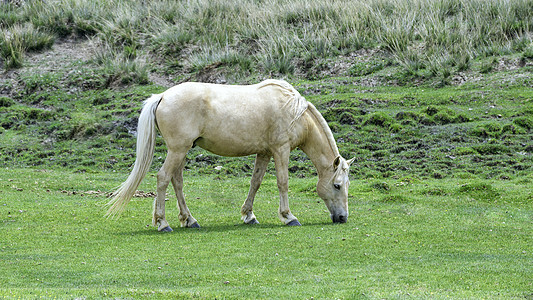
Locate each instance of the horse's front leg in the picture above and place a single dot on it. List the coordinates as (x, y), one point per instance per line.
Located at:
(261, 163)
(281, 160)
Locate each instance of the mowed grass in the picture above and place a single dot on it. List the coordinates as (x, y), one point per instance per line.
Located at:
(457, 238)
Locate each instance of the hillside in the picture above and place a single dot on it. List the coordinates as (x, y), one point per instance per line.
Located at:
(407, 100)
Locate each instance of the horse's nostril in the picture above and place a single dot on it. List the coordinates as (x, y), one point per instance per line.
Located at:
(339, 219)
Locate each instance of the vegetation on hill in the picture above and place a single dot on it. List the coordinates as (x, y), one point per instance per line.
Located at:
(243, 38)
(425, 88)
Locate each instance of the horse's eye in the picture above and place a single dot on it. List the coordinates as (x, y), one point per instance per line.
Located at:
(337, 186)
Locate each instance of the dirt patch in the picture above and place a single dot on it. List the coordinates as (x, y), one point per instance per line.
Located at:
(65, 52)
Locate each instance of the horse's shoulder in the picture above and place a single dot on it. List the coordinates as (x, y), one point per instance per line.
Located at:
(291, 101)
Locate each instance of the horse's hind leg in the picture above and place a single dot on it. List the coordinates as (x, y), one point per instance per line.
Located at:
(164, 176)
(261, 163)
(186, 219)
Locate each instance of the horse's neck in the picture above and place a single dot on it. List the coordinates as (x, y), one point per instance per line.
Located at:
(320, 144)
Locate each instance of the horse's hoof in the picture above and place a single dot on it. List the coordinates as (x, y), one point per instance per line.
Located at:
(195, 225)
(166, 229)
(294, 223)
(252, 222)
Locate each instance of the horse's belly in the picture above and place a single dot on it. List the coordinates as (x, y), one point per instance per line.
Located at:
(229, 146)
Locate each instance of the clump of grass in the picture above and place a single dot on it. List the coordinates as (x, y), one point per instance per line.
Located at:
(481, 191)
(380, 119)
(278, 54)
(171, 40)
(278, 64)
(488, 129)
(512, 129)
(395, 198)
(442, 115)
(8, 15)
(528, 52)
(396, 34)
(121, 66)
(463, 62)
(524, 122)
(381, 186)
(6, 102)
(410, 62)
(82, 125)
(16, 40)
(216, 57)
(440, 66)
(434, 191)
(459, 151)
(491, 149)
(367, 68)
(407, 117)
(487, 66)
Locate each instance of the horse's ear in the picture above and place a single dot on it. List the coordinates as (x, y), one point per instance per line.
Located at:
(336, 162)
(349, 162)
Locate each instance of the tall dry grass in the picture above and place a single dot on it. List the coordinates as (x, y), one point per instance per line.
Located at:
(275, 35)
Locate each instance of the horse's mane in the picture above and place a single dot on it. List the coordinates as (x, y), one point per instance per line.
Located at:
(325, 127)
(296, 104)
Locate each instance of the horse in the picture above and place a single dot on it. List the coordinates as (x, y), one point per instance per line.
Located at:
(268, 119)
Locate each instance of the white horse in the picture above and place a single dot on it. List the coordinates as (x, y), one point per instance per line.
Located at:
(268, 119)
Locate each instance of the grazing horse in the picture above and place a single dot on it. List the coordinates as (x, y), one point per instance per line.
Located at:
(268, 119)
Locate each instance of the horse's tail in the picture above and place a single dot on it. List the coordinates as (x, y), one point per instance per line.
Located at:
(146, 133)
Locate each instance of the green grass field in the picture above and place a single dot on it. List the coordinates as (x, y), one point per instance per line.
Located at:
(423, 239)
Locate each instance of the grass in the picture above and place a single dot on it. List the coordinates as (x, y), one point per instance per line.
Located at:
(430, 38)
(393, 131)
(18, 39)
(424, 239)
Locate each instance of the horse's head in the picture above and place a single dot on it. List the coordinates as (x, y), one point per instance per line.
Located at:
(333, 189)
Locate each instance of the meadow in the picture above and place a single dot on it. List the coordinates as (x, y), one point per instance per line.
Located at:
(421, 239)
(432, 98)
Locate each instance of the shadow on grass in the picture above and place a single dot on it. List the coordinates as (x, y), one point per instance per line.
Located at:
(222, 228)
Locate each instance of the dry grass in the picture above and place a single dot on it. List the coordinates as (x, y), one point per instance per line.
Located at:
(275, 36)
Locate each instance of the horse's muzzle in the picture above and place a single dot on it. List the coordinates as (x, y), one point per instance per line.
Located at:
(339, 218)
